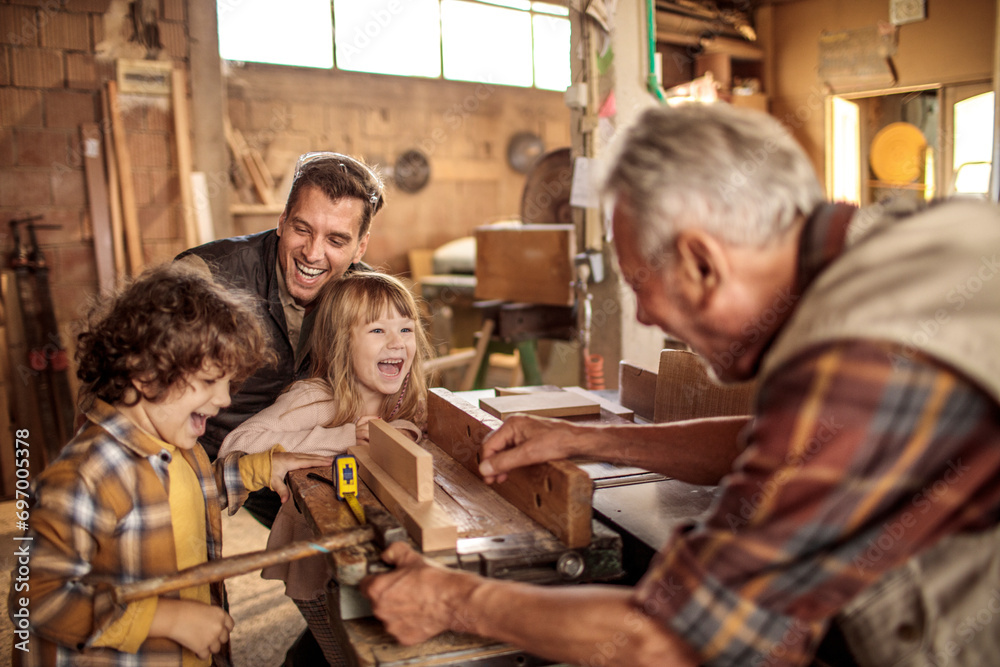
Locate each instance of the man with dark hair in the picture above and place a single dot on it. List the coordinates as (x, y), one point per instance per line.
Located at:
(321, 235)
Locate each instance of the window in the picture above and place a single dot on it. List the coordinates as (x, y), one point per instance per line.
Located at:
(298, 32)
(389, 37)
(973, 156)
(480, 42)
(509, 42)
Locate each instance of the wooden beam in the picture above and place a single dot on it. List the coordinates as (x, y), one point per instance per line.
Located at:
(182, 136)
(130, 210)
(411, 466)
(427, 523)
(243, 154)
(543, 404)
(114, 198)
(556, 494)
(100, 208)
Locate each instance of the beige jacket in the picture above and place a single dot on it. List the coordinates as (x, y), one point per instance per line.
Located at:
(295, 421)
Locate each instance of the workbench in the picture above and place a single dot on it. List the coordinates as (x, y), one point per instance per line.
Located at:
(635, 511)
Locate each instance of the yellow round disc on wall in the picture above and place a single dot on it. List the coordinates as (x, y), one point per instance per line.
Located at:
(897, 153)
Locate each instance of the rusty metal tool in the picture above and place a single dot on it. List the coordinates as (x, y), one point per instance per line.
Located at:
(381, 529)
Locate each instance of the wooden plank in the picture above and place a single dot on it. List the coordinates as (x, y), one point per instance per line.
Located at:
(556, 494)
(182, 137)
(405, 461)
(243, 155)
(261, 183)
(114, 198)
(544, 404)
(478, 510)
(637, 389)
(130, 210)
(612, 407)
(241, 173)
(684, 390)
(429, 525)
(100, 208)
(528, 263)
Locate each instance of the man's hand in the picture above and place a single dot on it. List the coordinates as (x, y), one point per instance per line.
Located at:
(526, 440)
(199, 627)
(418, 599)
(283, 462)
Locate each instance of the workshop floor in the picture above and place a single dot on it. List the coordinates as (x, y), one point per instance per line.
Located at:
(266, 621)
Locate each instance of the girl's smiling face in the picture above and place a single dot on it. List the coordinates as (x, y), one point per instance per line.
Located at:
(383, 352)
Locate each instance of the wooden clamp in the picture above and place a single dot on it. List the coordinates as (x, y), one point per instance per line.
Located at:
(556, 494)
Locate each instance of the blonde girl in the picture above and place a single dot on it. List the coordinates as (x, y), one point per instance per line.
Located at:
(367, 350)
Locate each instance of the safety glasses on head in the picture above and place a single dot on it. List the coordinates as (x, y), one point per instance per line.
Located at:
(349, 165)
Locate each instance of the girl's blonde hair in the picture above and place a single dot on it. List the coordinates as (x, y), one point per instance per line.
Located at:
(363, 297)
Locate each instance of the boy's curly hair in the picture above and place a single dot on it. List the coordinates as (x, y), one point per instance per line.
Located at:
(167, 324)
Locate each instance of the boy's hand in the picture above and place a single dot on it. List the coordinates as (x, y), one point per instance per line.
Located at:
(283, 462)
(199, 627)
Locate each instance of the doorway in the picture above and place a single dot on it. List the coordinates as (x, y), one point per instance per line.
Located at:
(916, 144)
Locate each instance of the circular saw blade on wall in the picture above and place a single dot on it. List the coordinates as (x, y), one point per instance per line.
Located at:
(522, 151)
(546, 191)
(411, 171)
(897, 153)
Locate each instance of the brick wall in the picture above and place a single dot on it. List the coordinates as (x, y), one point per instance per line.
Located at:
(463, 129)
(55, 57)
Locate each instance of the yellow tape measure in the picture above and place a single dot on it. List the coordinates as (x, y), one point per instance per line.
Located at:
(345, 477)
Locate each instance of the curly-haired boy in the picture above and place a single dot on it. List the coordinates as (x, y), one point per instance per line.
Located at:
(133, 495)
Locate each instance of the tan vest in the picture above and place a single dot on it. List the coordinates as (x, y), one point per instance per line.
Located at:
(931, 282)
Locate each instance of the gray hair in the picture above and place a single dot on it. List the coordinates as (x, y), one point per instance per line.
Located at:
(735, 173)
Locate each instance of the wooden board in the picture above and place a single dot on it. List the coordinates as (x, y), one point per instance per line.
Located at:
(609, 409)
(556, 494)
(409, 465)
(529, 263)
(618, 410)
(100, 207)
(684, 390)
(545, 404)
(637, 389)
(130, 209)
(429, 526)
(114, 198)
(182, 135)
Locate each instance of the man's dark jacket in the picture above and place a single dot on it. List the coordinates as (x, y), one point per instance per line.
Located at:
(248, 262)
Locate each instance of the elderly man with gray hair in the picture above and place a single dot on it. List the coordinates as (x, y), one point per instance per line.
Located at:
(857, 513)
